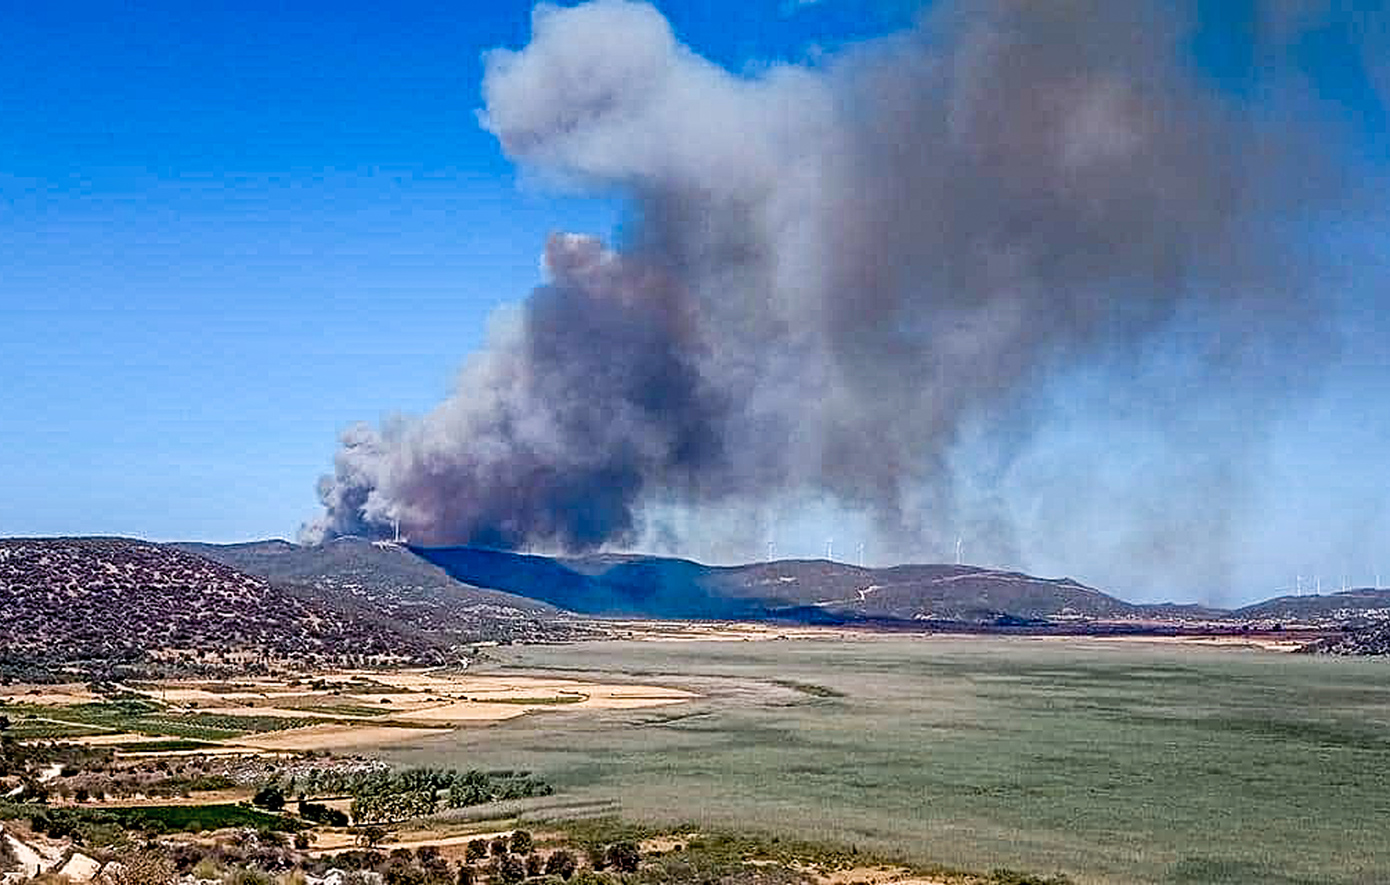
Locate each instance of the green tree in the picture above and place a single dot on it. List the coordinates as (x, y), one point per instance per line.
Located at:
(477, 850)
(269, 797)
(561, 863)
(521, 842)
(404, 873)
(508, 870)
(499, 846)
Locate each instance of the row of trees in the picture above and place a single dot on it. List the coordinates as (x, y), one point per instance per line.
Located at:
(386, 796)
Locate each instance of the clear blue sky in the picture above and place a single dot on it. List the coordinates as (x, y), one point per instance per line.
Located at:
(229, 229)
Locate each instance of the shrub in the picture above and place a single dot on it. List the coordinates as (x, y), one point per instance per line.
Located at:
(521, 842)
(597, 854)
(561, 863)
(624, 856)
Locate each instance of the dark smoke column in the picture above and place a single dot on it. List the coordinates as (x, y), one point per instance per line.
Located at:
(554, 429)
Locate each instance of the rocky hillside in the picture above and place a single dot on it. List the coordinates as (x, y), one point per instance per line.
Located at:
(393, 583)
(89, 603)
(808, 590)
(1370, 640)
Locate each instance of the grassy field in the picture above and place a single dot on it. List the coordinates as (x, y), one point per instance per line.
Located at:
(1111, 762)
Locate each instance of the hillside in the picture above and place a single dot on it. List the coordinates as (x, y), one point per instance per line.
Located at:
(394, 584)
(1351, 605)
(93, 603)
(812, 590)
(1373, 639)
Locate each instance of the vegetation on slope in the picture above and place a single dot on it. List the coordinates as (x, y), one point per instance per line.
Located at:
(96, 606)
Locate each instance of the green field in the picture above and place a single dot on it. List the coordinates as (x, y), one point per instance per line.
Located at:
(196, 818)
(147, 717)
(1110, 762)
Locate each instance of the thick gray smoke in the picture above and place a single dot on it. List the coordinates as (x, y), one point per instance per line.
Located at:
(845, 278)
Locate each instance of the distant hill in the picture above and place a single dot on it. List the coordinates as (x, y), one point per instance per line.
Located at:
(1351, 605)
(92, 603)
(393, 583)
(815, 590)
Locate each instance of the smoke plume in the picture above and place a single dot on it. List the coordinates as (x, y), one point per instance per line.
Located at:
(872, 282)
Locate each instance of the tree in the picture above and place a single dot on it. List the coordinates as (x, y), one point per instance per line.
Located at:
(370, 837)
(561, 863)
(466, 875)
(508, 870)
(477, 850)
(521, 842)
(500, 846)
(269, 797)
(624, 856)
(403, 873)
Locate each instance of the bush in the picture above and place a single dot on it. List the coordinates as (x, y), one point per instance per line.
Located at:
(477, 850)
(499, 846)
(521, 842)
(144, 868)
(508, 870)
(533, 865)
(561, 863)
(624, 856)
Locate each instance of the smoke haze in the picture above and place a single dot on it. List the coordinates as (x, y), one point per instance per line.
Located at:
(909, 286)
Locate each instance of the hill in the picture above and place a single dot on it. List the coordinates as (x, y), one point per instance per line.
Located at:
(87, 605)
(809, 590)
(392, 583)
(1350, 605)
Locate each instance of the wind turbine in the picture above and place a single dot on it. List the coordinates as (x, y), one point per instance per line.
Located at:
(829, 548)
(958, 553)
(861, 554)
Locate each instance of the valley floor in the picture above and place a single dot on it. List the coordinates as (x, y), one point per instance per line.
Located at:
(1111, 761)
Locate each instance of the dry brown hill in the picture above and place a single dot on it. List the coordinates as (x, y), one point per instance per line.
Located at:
(92, 603)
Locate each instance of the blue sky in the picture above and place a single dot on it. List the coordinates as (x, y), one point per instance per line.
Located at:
(229, 230)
